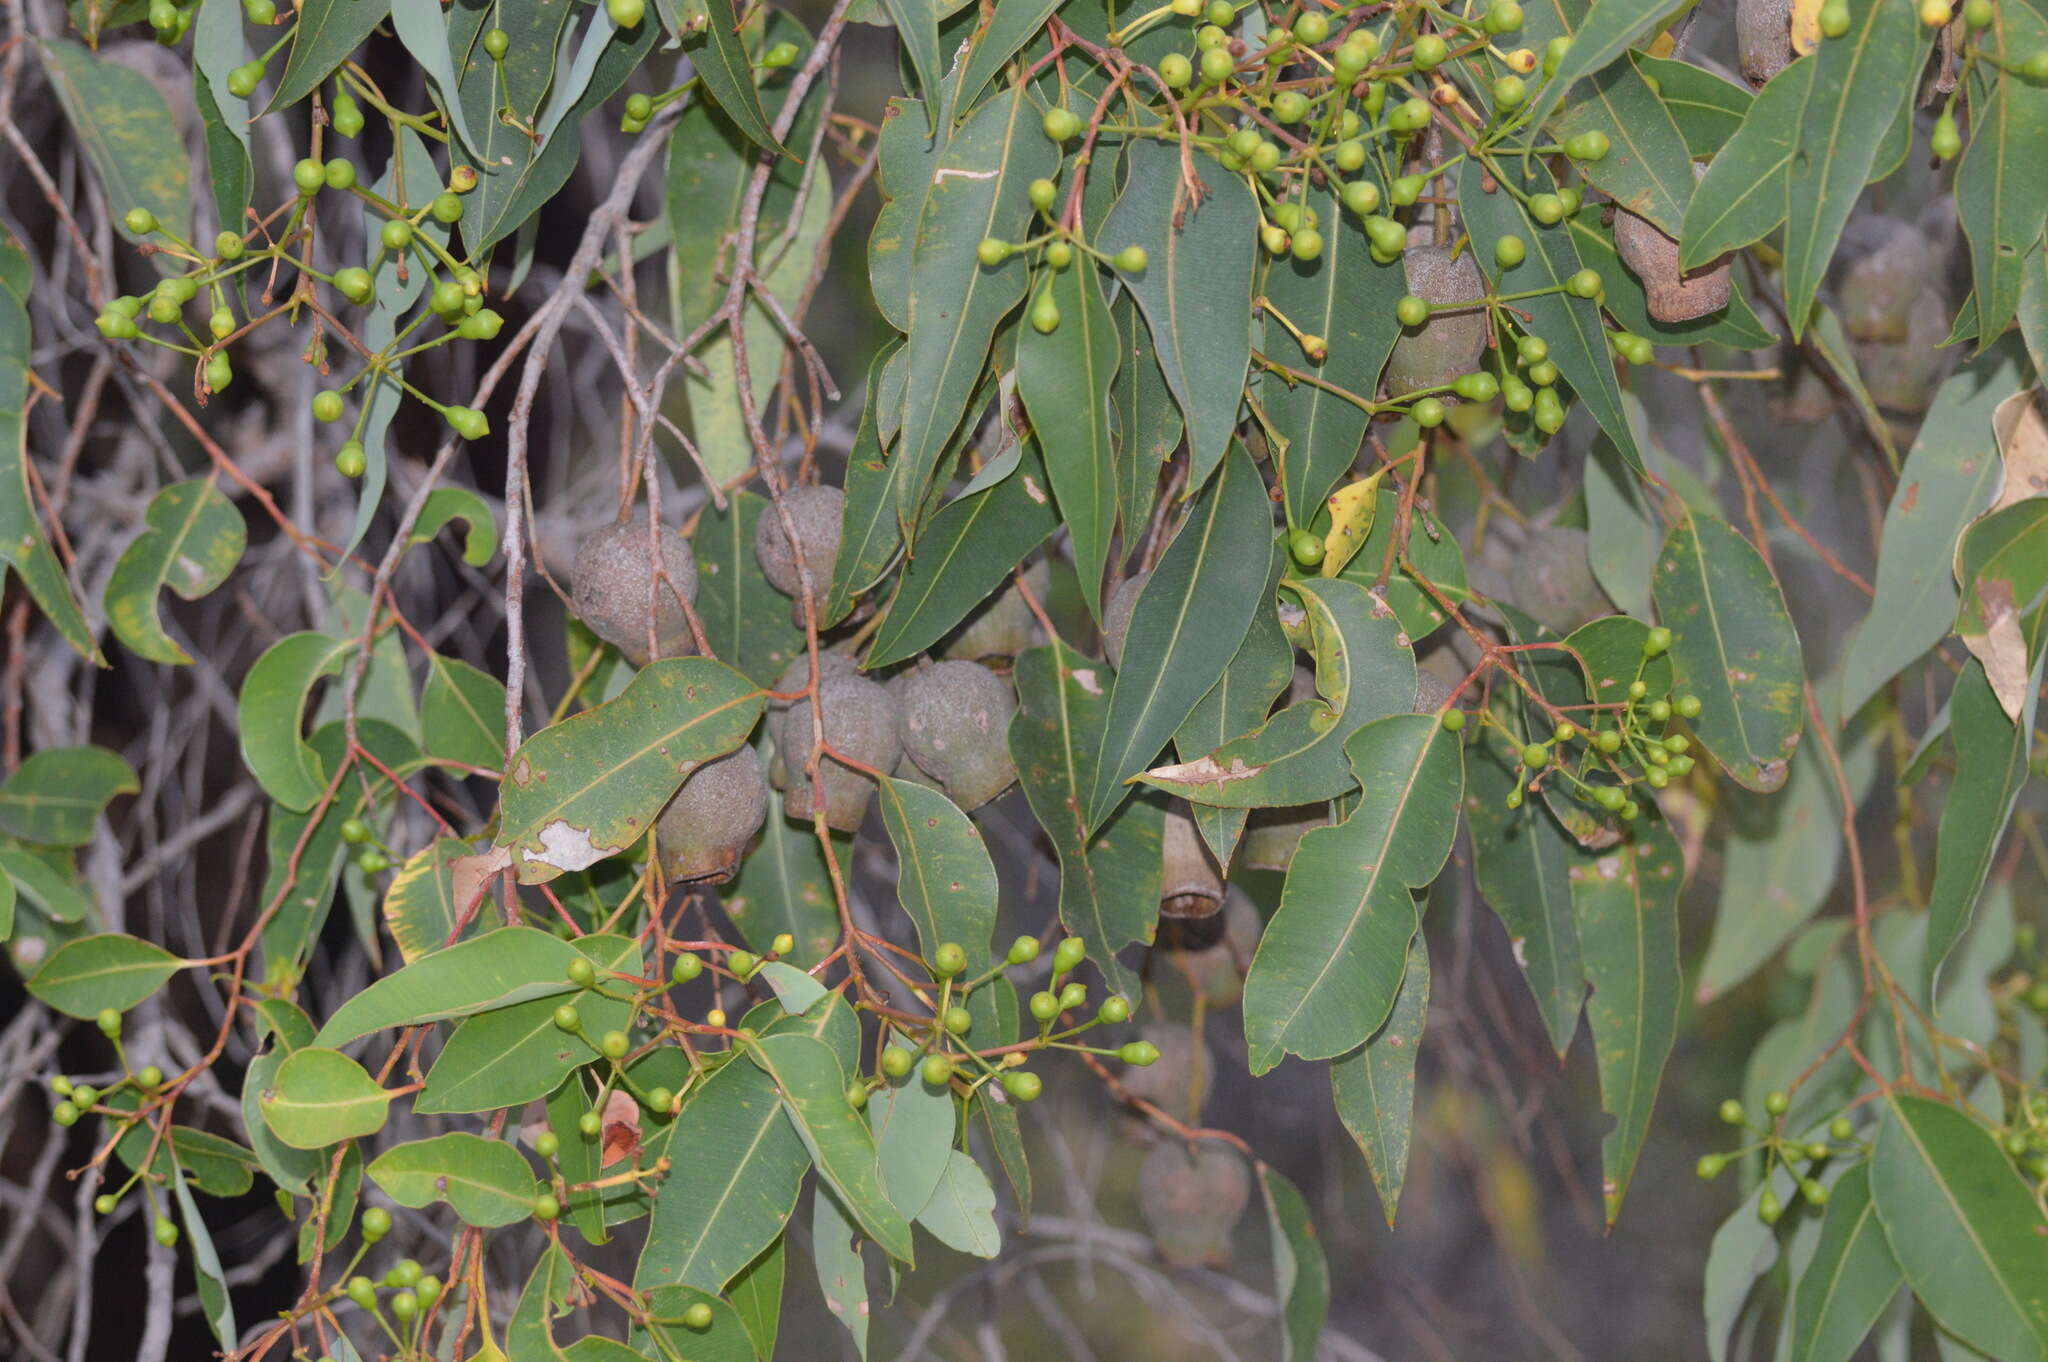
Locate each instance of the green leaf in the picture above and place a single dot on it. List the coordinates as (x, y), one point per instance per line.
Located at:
(1148, 421)
(1860, 80)
(1621, 528)
(321, 1097)
(1649, 169)
(56, 796)
(193, 538)
(125, 128)
(1850, 1279)
(1364, 671)
(917, 26)
(215, 1166)
(1991, 769)
(746, 620)
(961, 1212)
(445, 505)
(975, 191)
(1742, 1251)
(1348, 299)
(6, 904)
(1006, 1143)
(1374, 1085)
(1732, 645)
(462, 713)
(529, 1334)
(208, 1275)
(813, 1088)
(422, 27)
(96, 972)
(1109, 880)
(869, 533)
(1742, 196)
(1011, 26)
(842, 1276)
(756, 1296)
(328, 32)
(1572, 326)
(499, 968)
(1187, 623)
(1625, 901)
(725, 1339)
(289, 1168)
(1963, 1227)
(1301, 1273)
(1603, 34)
(2033, 308)
(217, 49)
(945, 879)
(1259, 670)
(907, 161)
(728, 74)
(590, 786)
(968, 550)
(513, 1055)
(738, 1189)
(1064, 377)
(1523, 861)
(1707, 108)
(1196, 285)
(1952, 473)
(1329, 967)
(488, 1182)
(784, 885)
(273, 703)
(913, 1124)
(50, 890)
(2001, 198)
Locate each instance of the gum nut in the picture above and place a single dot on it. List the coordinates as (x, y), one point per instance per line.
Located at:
(861, 722)
(706, 828)
(1549, 576)
(612, 588)
(1216, 967)
(1271, 836)
(1116, 615)
(1192, 1195)
(817, 512)
(1878, 290)
(956, 726)
(1449, 343)
(795, 677)
(1169, 1081)
(1763, 38)
(1002, 625)
(1903, 377)
(1191, 883)
(1672, 295)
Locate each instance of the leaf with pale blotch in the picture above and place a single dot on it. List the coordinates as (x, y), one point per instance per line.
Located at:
(906, 157)
(2002, 563)
(1860, 81)
(1374, 1085)
(1850, 1279)
(1064, 377)
(1964, 1228)
(321, 1097)
(1195, 288)
(125, 128)
(842, 1277)
(1364, 671)
(1329, 967)
(1187, 623)
(193, 538)
(813, 1088)
(955, 302)
(967, 551)
(96, 972)
(1522, 859)
(961, 1211)
(272, 709)
(747, 1165)
(1949, 477)
(1625, 902)
(1109, 879)
(944, 878)
(590, 786)
(56, 796)
(1353, 508)
(1732, 645)
(499, 968)
(2022, 435)
(488, 1182)
(1991, 769)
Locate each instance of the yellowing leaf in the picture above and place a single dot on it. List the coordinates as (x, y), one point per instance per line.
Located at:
(1805, 25)
(1352, 509)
